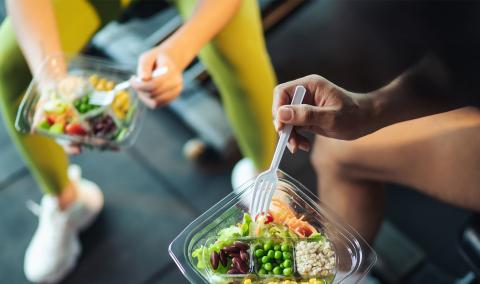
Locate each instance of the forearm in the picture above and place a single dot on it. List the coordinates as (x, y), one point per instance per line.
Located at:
(424, 89)
(36, 29)
(208, 19)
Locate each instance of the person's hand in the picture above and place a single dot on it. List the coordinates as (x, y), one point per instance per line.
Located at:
(327, 110)
(161, 90)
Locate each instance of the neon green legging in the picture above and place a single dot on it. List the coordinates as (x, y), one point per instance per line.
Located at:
(236, 59)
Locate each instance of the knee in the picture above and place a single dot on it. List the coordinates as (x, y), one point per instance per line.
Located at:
(332, 159)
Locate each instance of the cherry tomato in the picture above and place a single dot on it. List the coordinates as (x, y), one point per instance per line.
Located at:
(75, 129)
(51, 119)
(303, 231)
(268, 217)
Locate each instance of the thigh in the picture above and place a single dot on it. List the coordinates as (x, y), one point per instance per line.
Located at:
(247, 97)
(77, 21)
(436, 155)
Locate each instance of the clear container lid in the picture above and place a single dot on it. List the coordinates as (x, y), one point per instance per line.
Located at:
(352, 257)
(57, 103)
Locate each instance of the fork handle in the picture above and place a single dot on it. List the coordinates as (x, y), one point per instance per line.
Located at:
(282, 141)
(126, 84)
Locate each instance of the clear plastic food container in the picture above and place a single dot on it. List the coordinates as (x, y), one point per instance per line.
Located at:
(321, 249)
(57, 103)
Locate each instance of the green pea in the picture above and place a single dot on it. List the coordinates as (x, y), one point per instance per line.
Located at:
(265, 259)
(287, 271)
(287, 255)
(282, 266)
(267, 246)
(271, 254)
(287, 263)
(268, 266)
(259, 253)
(277, 247)
(262, 271)
(277, 271)
(278, 255)
(84, 99)
(285, 247)
(83, 108)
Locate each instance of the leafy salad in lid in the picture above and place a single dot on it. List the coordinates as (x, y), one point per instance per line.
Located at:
(65, 109)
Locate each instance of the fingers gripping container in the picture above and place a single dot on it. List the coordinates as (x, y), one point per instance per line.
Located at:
(57, 104)
(344, 254)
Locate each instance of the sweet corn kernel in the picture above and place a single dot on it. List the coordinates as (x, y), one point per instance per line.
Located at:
(109, 85)
(93, 80)
(247, 281)
(101, 84)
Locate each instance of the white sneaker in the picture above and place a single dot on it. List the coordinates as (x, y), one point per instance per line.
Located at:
(243, 171)
(55, 247)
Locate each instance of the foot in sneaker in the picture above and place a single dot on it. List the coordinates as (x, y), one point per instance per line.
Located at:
(243, 171)
(55, 247)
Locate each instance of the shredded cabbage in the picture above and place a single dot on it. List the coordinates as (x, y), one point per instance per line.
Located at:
(275, 231)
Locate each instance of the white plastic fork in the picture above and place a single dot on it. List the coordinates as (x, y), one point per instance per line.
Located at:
(102, 98)
(266, 182)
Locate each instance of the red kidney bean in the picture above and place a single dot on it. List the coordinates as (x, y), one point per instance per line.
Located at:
(244, 255)
(234, 254)
(239, 265)
(233, 271)
(223, 257)
(231, 249)
(214, 258)
(241, 245)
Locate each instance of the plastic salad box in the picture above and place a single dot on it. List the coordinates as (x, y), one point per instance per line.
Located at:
(57, 103)
(297, 241)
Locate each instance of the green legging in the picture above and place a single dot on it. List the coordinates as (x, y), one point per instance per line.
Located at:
(236, 59)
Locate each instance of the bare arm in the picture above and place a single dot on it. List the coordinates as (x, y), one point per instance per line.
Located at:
(424, 89)
(208, 19)
(36, 29)
(332, 111)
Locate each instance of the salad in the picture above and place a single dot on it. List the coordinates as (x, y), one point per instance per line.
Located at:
(65, 109)
(275, 247)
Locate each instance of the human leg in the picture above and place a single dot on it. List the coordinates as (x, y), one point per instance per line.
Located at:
(239, 65)
(70, 203)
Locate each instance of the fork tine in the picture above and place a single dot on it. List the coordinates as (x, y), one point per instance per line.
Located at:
(261, 197)
(269, 196)
(254, 200)
(265, 190)
(261, 189)
(264, 197)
